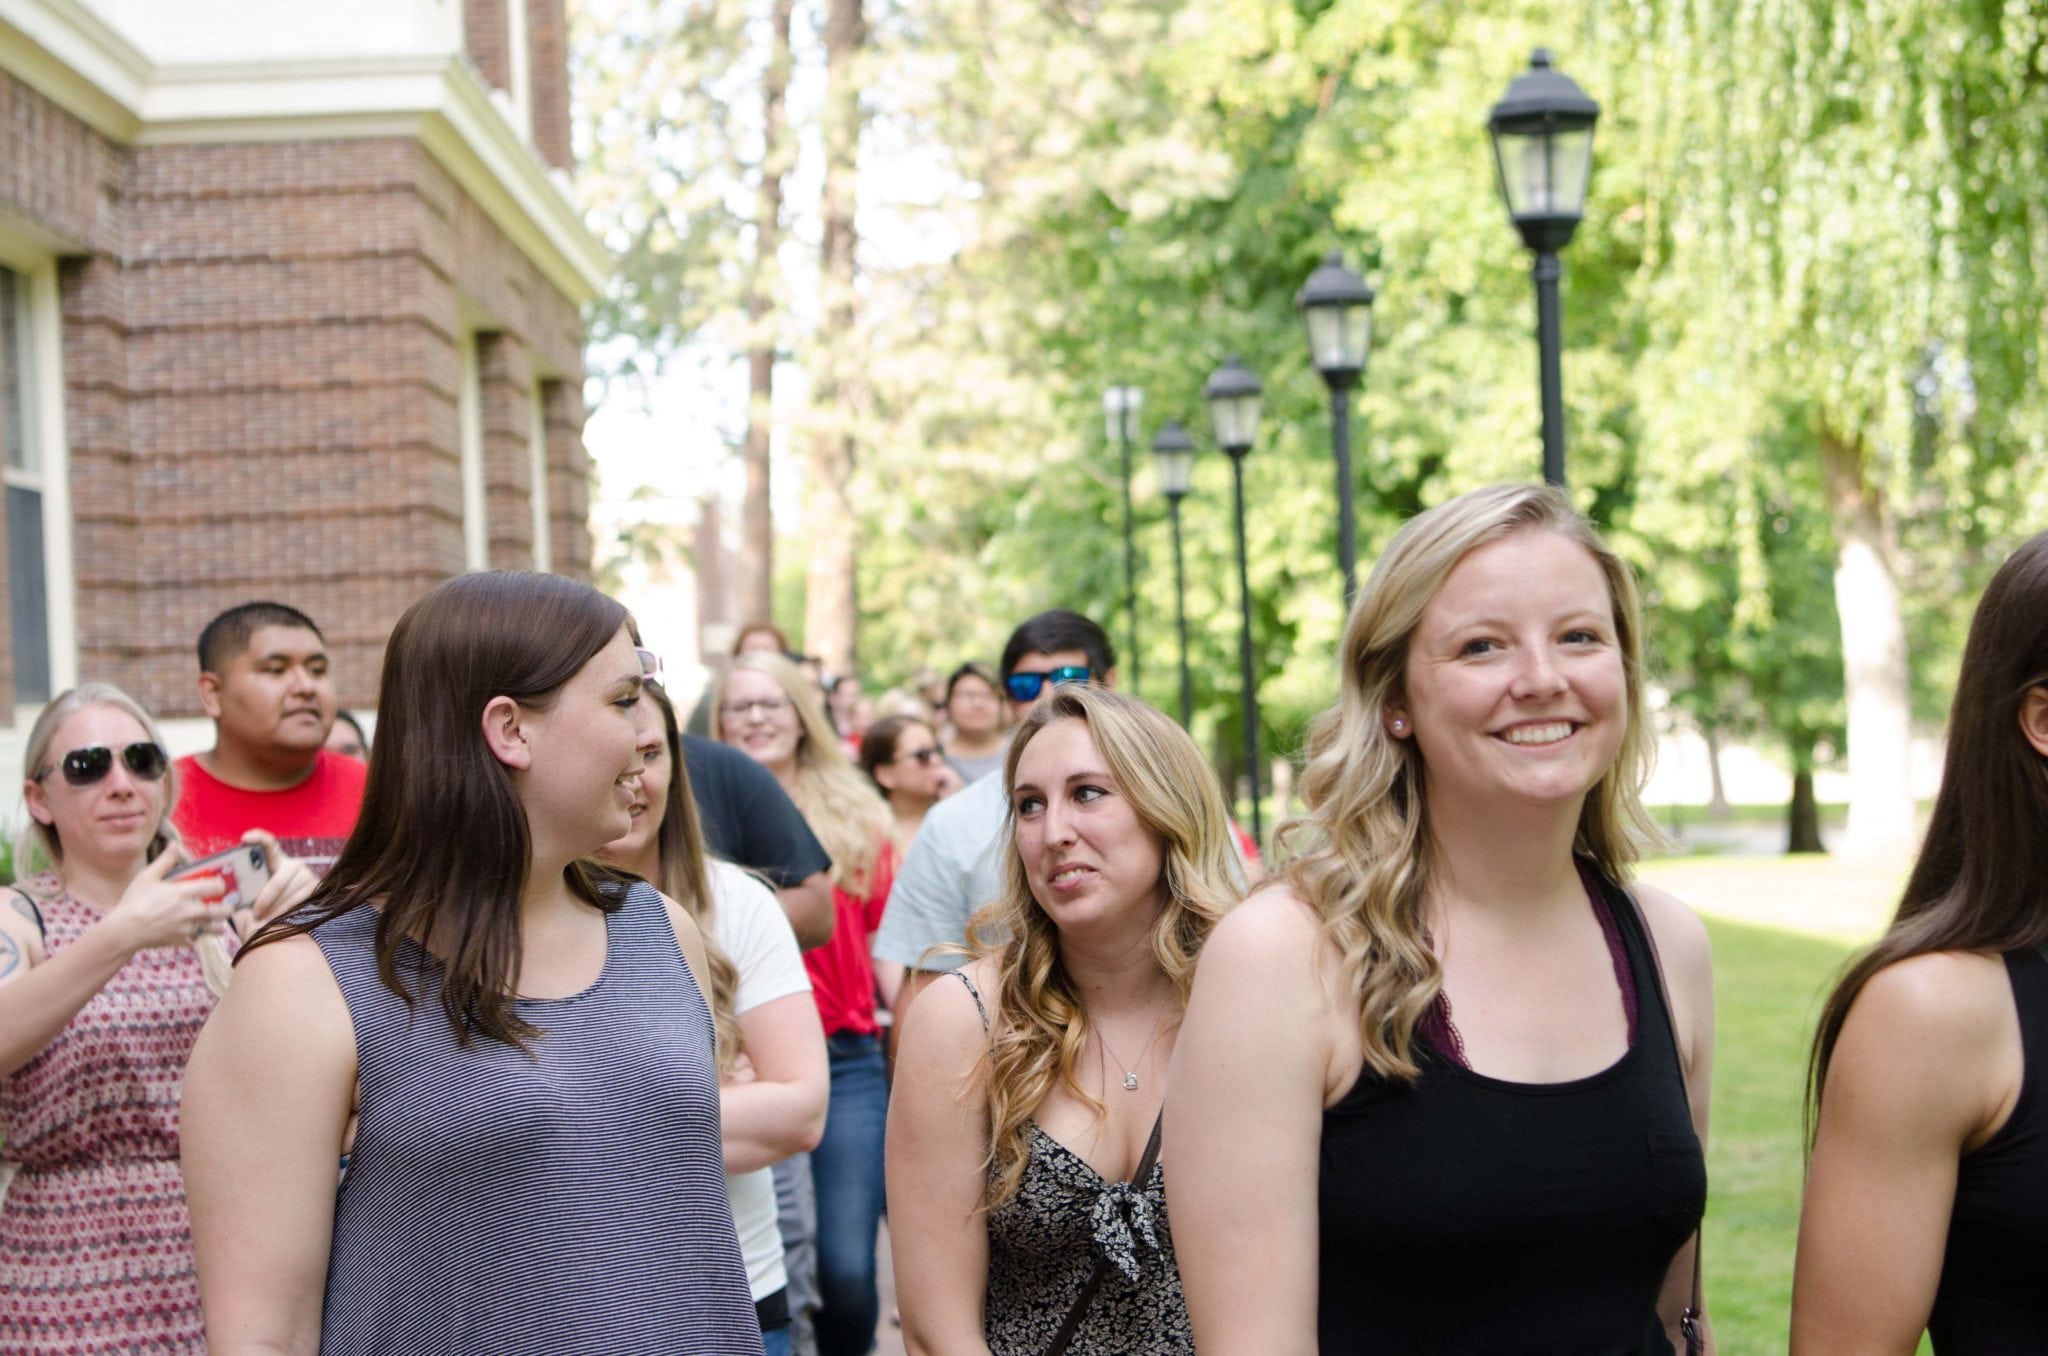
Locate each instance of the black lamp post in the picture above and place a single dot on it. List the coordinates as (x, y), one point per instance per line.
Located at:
(1120, 407)
(1233, 395)
(1336, 308)
(1543, 150)
(1176, 453)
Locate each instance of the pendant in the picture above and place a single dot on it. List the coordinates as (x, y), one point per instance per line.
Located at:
(1130, 1082)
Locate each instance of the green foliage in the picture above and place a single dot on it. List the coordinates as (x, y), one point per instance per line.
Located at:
(1798, 221)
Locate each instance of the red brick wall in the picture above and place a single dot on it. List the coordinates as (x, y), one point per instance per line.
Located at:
(483, 23)
(260, 370)
(549, 25)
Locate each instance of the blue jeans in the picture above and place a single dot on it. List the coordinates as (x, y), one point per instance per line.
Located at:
(846, 1169)
(776, 1342)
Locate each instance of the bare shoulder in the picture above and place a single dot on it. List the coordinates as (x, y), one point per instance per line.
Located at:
(954, 1017)
(685, 924)
(1958, 999)
(284, 996)
(1272, 941)
(1682, 941)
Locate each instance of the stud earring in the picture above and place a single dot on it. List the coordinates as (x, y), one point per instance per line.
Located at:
(1399, 725)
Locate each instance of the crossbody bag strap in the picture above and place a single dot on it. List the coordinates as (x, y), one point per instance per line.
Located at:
(1072, 1322)
(1689, 1323)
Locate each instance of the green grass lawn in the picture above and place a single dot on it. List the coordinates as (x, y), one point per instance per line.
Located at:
(1767, 990)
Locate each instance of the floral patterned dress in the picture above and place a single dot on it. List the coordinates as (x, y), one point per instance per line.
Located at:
(95, 1244)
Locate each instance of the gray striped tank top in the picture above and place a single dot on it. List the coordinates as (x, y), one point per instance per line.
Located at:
(567, 1201)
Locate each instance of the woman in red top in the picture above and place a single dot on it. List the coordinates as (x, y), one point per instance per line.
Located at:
(766, 707)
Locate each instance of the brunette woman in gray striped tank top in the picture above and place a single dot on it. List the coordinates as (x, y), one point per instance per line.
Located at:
(507, 1040)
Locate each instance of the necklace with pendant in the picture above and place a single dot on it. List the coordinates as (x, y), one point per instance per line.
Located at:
(1131, 1071)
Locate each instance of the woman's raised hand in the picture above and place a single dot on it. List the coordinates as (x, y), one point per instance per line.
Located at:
(154, 911)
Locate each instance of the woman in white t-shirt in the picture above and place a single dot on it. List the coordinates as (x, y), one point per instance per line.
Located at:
(771, 1047)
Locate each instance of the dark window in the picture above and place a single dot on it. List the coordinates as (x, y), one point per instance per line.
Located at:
(27, 587)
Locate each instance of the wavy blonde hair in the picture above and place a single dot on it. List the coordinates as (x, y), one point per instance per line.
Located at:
(842, 807)
(1042, 1024)
(1360, 856)
(37, 848)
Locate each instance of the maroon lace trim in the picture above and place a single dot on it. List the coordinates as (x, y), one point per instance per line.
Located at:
(1438, 1028)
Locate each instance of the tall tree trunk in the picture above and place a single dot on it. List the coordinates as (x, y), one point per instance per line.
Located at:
(1802, 816)
(1873, 653)
(832, 603)
(1717, 801)
(757, 523)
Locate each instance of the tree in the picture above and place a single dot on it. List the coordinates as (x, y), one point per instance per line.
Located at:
(832, 601)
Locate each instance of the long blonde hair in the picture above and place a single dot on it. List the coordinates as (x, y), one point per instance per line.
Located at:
(37, 848)
(1043, 1025)
(842, 807)
(1361, 853)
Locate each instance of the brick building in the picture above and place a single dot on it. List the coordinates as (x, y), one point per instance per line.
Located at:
(289, 307)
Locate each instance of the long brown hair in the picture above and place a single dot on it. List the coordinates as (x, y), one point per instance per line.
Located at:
(1362, 850)
(442, 844)
(1978, 883)
(686, 879)
(1042, 1024)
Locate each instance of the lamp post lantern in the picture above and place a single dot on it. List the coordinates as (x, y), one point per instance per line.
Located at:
(1120, 407)
(1176, 453)
(1336, 309)
(1234, 395)
(1542, 133)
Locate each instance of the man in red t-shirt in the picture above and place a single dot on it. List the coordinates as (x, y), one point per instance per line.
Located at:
(263, 678)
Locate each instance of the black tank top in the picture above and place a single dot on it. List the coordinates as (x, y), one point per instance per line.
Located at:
(1465, 1213)
(1993, 1297)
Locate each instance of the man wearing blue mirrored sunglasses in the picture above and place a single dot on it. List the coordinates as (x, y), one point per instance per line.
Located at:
(950, 870)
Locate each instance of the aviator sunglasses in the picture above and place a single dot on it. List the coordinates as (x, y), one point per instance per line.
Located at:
(1025, 687)
(83, 767)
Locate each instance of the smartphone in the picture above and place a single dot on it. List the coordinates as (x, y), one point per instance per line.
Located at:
(243, 871)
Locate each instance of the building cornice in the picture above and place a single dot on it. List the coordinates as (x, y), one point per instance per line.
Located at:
(68, 55)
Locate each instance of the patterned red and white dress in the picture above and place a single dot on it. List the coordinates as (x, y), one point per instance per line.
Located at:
(95, 1244)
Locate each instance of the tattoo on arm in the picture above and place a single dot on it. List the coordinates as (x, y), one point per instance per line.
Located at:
(10, 955)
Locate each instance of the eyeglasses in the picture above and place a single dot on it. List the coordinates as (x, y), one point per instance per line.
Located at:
(924, 757)
(650, 665)
(767, 706)
(83, 767)
(1025, 687)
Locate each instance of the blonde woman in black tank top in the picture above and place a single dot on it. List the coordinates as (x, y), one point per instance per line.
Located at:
(1927, 1195)
(1429, 1095)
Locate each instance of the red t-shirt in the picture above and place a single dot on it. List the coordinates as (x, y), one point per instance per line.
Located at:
(842, 972)
(311, 820)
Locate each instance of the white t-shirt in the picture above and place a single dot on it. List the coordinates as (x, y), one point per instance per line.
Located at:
(755, 936)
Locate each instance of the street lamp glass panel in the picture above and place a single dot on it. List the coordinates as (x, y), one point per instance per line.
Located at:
(1235, 420)
(1176, 471)
(1339, 337)
(1120, 408)
(1544, 170)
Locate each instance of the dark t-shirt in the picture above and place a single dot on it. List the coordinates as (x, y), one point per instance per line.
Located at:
(749, 820)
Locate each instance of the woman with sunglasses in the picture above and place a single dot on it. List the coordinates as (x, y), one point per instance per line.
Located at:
(107, 971)
(764, 705)
(902, 757)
